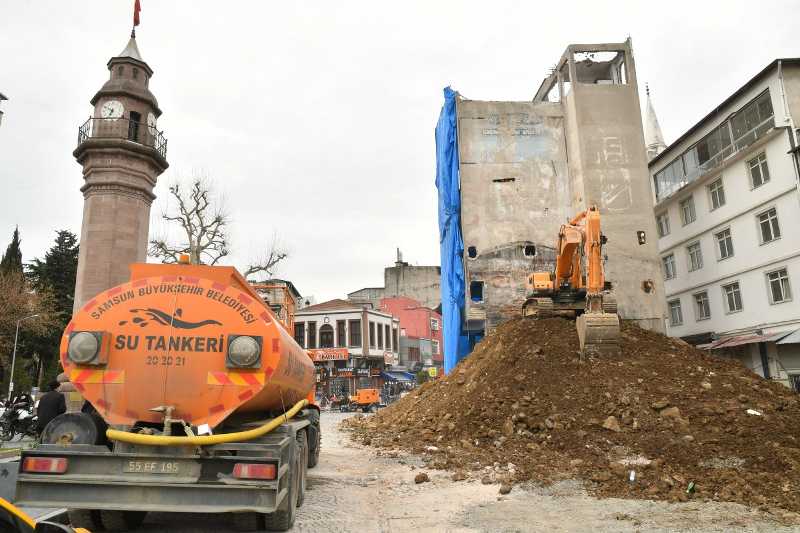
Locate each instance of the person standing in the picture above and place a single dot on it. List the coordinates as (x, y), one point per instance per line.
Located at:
(51, 405)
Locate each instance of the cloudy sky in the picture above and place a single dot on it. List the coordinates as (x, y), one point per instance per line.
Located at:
(315, 119)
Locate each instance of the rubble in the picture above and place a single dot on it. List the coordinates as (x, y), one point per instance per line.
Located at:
(593, 419)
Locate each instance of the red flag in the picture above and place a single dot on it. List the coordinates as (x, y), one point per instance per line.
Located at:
(136, 8)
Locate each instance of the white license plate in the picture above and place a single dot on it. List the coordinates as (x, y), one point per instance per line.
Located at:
(151, 467)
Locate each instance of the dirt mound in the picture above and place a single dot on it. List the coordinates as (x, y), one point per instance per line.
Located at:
(523, 406)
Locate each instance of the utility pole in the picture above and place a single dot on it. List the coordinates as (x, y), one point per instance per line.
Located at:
(14, 357)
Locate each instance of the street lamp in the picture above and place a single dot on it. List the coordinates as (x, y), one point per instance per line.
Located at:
(14, 357)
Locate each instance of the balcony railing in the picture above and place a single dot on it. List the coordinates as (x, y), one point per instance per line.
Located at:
(123, 128)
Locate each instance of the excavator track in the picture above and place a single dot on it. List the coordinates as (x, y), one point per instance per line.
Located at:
(598, 334)
(538, 308)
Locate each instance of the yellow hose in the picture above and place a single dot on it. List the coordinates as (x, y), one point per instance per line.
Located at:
(204, 440)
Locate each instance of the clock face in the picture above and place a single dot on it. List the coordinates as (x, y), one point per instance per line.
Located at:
(112, 109)
(151, 120)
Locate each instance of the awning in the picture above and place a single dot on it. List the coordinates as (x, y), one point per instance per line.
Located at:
(791, 338)
(738, 340)
(398, 376)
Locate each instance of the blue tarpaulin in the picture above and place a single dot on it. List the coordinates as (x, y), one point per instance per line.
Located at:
(451, 245)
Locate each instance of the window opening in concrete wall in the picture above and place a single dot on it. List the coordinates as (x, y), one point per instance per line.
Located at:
(675, 313)
(662, 221)
(504, 180)
(472, 252)
(702, 307)
(300, 334)
(380, 337)
(688, 214)
(768, 225)
(476, 291)
(717, 193)
(759, 172)
(372, 334)
(326, 336)
(312, 335)
(695, 256)
(724, 243)
(779, 289)
(355, 333)
(341, 335)
(529, 250)
(668, 262)
(600, 68)
(733, 297)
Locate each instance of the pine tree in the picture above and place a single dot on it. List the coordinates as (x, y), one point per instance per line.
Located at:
(12, 259)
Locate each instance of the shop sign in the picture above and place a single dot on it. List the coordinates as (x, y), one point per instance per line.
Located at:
(329, 354)
(432, 371)
(388, 358)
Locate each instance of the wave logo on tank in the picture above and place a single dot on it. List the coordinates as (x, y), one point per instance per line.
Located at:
(143, 317)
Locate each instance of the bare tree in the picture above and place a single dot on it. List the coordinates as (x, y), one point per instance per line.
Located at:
(204, 225)
(269, 260)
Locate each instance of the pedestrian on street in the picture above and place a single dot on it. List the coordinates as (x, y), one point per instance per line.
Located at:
(51, 405)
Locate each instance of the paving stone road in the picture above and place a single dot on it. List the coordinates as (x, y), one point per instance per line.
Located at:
(355, 490)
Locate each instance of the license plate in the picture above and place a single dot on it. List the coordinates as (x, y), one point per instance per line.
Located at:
(151, 467)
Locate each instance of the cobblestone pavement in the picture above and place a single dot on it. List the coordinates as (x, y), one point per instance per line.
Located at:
(355, 490)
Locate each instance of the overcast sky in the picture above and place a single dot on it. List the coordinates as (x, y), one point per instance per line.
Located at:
(316, 119)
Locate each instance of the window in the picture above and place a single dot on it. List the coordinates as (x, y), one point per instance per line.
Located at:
(135, 73)
(716, 145)
(668, 263)
(759, 172)
(472, 252)
(717, 193)
(702, 309)
(355, 333)
(476, 291)
(687, 211)
(435, 347)
(434, 324)
(529, 250)
(413, 354)
(312, 335)
(341, 334)
(326, 336)
(768, 224)
(380, 336)
(300, 334)
(751, 116)
(724, 243)
(662, 221)
(779, 290)
(387, 334)
(695, 256)
(675, 314)
(120, 70)
(395, 345)
(372, 334)
(733, 297)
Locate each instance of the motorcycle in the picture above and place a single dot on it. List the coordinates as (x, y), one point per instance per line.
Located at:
(18, 419)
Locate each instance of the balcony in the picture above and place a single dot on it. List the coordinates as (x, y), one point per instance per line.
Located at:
(123, 128)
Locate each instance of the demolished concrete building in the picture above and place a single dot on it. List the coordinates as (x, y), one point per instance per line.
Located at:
(524, 168)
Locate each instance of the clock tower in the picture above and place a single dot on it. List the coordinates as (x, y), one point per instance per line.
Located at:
(122, 153)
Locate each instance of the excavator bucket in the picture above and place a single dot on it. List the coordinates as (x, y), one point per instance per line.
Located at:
(598, 334)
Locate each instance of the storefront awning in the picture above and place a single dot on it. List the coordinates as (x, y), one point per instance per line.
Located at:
(398, 376)
(791, 338)
(730, 342)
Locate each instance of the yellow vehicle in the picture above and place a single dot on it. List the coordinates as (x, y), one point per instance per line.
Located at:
(577, 287)
(14, 520)
(366, 400)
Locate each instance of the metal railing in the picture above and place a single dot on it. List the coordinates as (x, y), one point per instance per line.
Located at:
(123, 128)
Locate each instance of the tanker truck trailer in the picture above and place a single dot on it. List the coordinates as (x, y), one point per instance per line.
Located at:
(197, 400)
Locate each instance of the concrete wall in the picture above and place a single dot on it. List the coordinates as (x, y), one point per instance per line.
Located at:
(514, 192)
(608, 168)
(422, 283)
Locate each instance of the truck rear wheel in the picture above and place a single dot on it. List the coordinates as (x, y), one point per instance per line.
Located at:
(283, 518)
(314, 438)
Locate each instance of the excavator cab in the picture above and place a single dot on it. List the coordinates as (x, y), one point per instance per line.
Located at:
(576, 288)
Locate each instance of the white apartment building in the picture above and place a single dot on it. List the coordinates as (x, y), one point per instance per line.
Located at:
(728, 211)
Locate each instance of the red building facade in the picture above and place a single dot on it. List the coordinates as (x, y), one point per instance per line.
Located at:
(420, 331)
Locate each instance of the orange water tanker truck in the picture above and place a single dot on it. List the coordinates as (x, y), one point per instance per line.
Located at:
(197, 400)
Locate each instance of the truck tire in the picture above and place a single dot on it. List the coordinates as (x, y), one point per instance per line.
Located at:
(302, 445)
(283, 518)
(122, 520)
(85, 518)
(314, 438)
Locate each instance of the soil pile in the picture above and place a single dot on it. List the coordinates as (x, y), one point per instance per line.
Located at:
(662, 420)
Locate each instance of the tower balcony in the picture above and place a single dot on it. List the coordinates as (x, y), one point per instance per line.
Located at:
(123, 129)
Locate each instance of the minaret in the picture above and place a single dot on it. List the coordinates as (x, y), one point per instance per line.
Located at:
(122, 154)
(653, 139)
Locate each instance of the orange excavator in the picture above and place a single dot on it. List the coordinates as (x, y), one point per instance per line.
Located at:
(576, 288)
